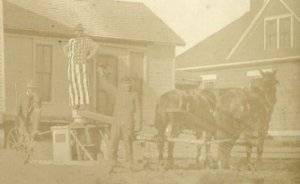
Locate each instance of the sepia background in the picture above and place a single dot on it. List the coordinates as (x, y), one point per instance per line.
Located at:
(162, 45)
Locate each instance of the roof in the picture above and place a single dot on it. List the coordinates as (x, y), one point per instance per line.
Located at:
(100, 18)
(215, 49)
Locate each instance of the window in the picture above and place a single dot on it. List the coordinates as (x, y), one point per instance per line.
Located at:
(137, 65)
(285, 32)
(278, 32)
(209, 81)
(43, 70)
(271, 34)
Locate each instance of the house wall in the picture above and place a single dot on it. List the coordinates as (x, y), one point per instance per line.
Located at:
(161, 77)
(2, 83)
(20, 62)
(252, 47)
(286, 114)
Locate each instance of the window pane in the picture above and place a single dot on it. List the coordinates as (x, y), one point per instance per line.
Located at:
(271, 34)
(44, 70)
(209, 84)
(46, 87)
(47, 59)
(137, 64)
(39, 80)
(285, 32)
(39, 58)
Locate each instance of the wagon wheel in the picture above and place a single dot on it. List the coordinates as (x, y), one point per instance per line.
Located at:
(17, 140)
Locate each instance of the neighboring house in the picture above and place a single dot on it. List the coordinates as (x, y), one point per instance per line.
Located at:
(267, 38)
(131, 39)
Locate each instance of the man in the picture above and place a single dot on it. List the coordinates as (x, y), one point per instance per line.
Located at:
(127, 119)
(79, 50)
(29, 110)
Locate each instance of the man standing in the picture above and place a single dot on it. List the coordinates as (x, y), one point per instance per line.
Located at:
(29, 110)
(79, 51)
(127, 119)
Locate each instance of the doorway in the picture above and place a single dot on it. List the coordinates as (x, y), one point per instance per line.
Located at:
(105, 67)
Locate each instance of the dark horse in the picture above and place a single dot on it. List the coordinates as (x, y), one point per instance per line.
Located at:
(245, 111)
(179, 110)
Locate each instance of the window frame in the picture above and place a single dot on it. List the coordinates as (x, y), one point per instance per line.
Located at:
(208, 78)
(51, 43)
(145, 62)
(256, 73)
(277, 18)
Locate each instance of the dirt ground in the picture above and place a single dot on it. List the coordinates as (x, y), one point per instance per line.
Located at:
(13, 171)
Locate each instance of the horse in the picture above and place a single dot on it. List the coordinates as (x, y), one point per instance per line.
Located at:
(179, 110)
(245, 110)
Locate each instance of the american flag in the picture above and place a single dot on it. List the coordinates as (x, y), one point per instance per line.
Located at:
(79, 48)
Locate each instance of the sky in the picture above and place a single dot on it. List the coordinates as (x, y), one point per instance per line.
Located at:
(195, 20)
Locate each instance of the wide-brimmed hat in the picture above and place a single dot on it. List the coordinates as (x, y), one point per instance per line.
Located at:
(79, 27)
(31, 84)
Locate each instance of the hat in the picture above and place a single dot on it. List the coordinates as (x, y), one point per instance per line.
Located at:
(31, 84)
(79, 27)
(126, 80)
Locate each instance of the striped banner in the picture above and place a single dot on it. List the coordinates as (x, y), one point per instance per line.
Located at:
(77, 75)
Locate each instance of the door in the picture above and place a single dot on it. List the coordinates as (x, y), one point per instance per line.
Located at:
(106, 68)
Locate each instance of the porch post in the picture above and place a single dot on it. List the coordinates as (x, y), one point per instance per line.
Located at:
(2, 74)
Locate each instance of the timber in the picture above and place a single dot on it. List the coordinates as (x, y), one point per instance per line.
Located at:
(96, 116)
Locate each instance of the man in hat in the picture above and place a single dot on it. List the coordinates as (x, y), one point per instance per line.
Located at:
(29, 110)
(127, 120)
(79, 50)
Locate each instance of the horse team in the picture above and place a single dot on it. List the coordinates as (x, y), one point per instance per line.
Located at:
(223, 114)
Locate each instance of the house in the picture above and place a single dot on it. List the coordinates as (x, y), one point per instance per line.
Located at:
(131, 40)
(265, 38)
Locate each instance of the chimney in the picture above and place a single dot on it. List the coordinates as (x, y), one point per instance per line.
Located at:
(256, 5)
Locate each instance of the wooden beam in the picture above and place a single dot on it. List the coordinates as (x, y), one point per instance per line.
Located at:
(96, 116)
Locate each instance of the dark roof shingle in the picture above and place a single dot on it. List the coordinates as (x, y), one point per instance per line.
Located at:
(101, 18)
(215, 48)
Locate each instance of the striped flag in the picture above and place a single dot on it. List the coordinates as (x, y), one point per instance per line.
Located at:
(79, 49)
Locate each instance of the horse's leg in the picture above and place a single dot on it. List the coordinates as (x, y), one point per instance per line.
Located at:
(160, 146)
(170, 153)
(208, 138)
(260, 145)
(225, 150)
(198, 137)
(174, 129)
(248, 144)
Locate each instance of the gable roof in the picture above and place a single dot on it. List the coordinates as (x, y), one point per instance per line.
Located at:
(249, 28)
(216, 49)
(101, 19)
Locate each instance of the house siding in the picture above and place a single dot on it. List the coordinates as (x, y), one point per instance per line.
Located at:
(2, 82)
(161, 77)
(20, 68)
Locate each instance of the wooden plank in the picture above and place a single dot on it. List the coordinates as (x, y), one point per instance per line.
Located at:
(96, 116)
(271, 149)
(171, 110)
(68, 163)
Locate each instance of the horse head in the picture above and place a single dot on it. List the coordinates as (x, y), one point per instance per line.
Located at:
(269, 84)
